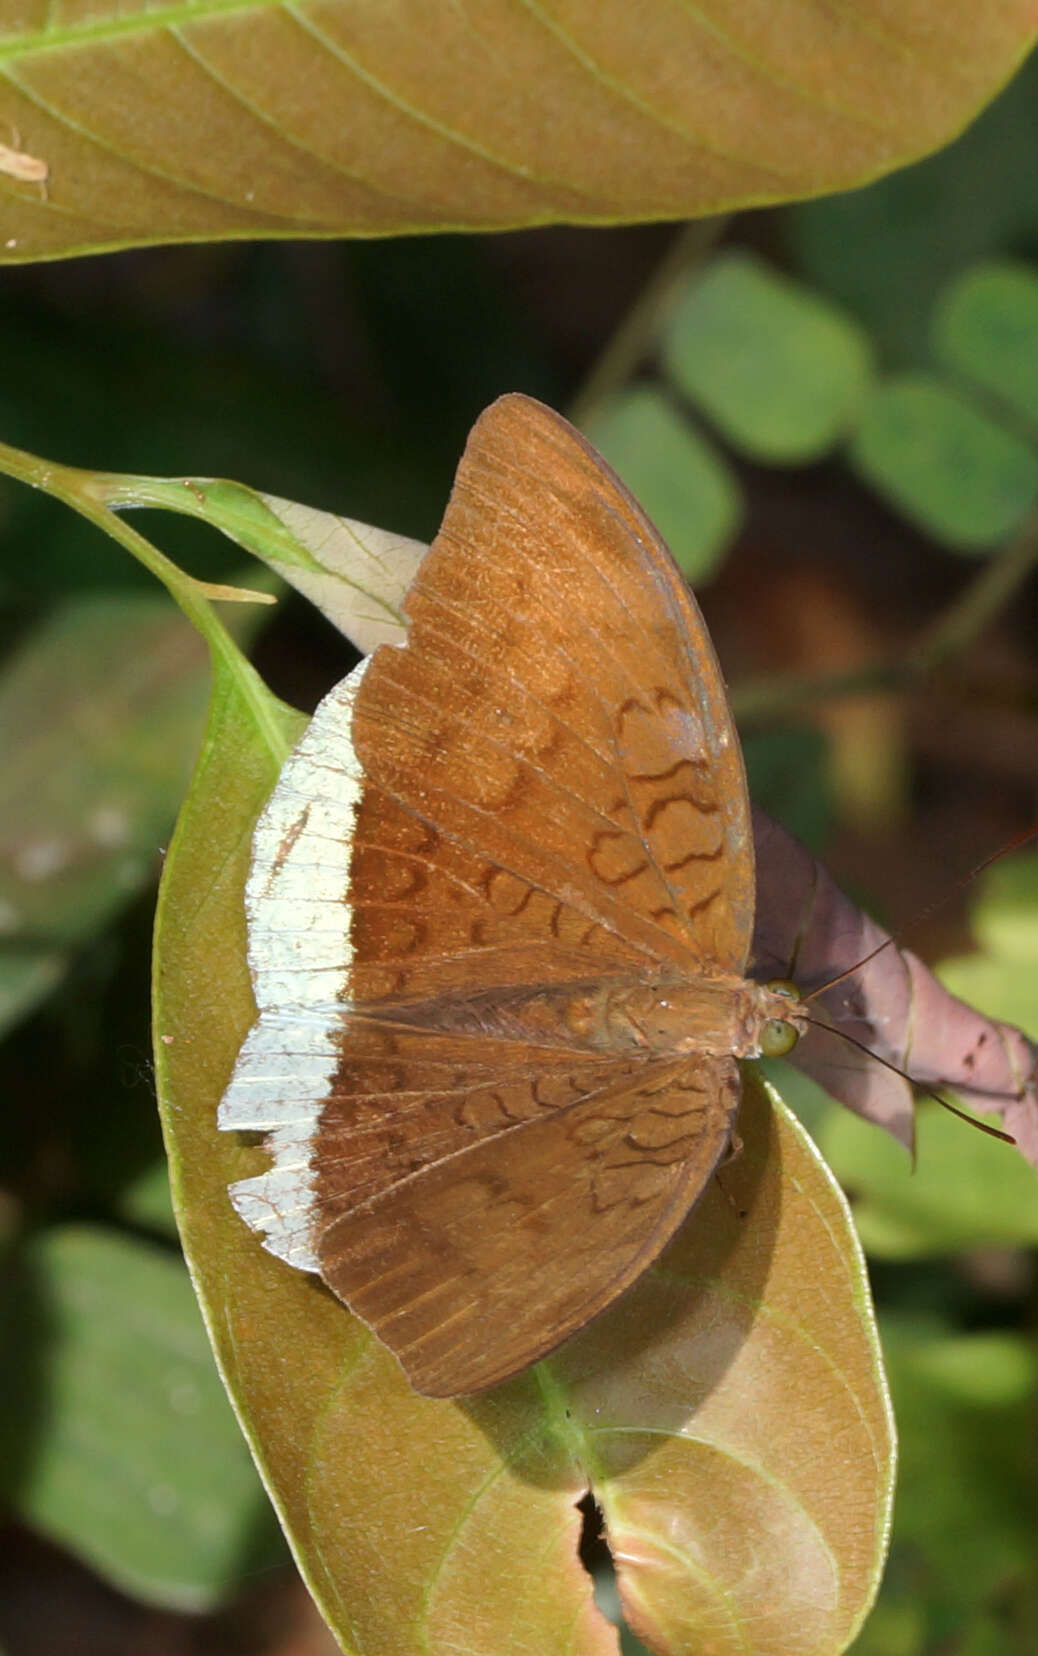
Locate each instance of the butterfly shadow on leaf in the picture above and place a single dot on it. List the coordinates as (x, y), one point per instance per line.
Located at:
(662, 1355)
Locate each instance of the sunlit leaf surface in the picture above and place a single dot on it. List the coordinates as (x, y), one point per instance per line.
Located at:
(144, 122)
(729, 1413)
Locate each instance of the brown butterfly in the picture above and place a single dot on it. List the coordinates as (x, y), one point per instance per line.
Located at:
(499, 912)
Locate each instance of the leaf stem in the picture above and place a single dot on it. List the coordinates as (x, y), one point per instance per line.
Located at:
(765, 700)
(640, 327)
(980, 602)
(85, 492)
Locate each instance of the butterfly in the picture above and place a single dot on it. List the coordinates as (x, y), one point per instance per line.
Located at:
(499, 910)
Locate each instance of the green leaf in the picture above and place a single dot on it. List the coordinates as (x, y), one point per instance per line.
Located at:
(702, 1410)
(750, 1373)
(986, 328)
(118, 1441)
(779, 369)
(100, 713)
(364, 119)
(944, 463)
(355, 574)
(679, 478)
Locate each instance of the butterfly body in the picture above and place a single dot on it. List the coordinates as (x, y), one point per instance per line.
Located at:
(648, 1014)
(499, 912)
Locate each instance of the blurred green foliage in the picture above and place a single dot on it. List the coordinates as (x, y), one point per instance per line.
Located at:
(1003, 970)
(986, 329)
(785, 376)
(949, 467)
(887, 251)
(100, 708)
(118, 1439)
(779, 370)
(961, 1573)
(965, 1191)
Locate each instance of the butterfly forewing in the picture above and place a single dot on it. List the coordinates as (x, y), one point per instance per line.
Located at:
(596, 692)
(541, 789)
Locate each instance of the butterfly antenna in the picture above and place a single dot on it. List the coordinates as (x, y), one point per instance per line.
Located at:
(849, 971)
(920, 1086)
(1003, 851)
(924, 914)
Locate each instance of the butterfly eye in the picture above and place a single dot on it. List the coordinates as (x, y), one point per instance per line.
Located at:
(783, 986)
(777, 1038)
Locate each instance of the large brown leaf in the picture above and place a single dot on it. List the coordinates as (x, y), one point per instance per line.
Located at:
(729, 1413)
(134, 123)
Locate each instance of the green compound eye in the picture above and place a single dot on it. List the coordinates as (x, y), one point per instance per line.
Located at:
(777, 1038)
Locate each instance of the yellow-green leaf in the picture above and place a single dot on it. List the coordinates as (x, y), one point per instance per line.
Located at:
(729, 1414)
(138, 122)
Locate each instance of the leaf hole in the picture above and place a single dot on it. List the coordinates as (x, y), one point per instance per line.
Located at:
(598, 1562)
(593, 1548)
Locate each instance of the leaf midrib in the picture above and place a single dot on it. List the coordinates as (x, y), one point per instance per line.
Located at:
(148, 20)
